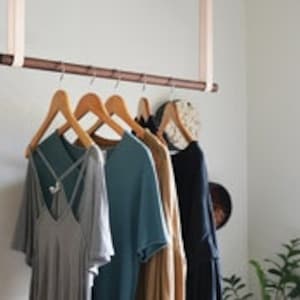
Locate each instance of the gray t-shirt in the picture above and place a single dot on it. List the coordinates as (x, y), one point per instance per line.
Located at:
(64, 248)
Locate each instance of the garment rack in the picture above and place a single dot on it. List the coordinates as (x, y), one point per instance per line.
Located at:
(77, 69)
(15, 55)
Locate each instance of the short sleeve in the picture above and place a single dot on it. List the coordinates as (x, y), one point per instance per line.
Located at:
(23, 239)
(94, 213)
(152, 229)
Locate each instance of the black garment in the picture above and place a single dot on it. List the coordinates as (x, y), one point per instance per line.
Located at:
(150, 123)
(153, 124)
(199, 236)
(158, 117)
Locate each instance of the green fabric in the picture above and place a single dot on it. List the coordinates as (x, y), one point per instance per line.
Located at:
(61, 155)
(136, 215)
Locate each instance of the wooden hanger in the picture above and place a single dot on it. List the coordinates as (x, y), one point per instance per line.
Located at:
(59, 103)
(144, 110)
(116, 105)
(171, 113)
(92, 103)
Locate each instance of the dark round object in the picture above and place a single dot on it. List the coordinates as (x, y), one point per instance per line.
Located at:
(222, 205)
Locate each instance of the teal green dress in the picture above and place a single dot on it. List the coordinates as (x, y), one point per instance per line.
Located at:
(136, 216)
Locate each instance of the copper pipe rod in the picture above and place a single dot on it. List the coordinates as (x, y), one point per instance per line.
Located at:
(70, 68)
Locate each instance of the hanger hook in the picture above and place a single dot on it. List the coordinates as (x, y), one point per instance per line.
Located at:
(118, 75)
(63, 71)
(144, 80)
(173, 88)
(94, 75)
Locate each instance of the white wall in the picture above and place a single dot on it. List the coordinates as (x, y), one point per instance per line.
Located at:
(151, 36)
(273, 127)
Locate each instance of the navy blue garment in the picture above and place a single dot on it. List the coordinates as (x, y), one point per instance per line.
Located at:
(198, 229)
(150, 123)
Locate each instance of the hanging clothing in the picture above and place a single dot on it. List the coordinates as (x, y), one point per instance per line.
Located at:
(63, 248)
(150, 123)
(189, 117)
(153, 123)
(198, 229)
(137, 221)
(61, 155)
(163, 276)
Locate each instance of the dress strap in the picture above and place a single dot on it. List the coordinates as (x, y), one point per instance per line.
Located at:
(52, 171)
(83, 159)
(79, 178)
(72, 167)
(47, 163)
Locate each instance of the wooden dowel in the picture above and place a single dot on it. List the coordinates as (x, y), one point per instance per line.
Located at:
(70, 68)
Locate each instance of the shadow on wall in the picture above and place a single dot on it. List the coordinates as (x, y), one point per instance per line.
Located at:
(14, 274)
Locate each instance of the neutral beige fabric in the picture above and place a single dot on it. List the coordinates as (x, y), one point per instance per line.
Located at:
(163, 276)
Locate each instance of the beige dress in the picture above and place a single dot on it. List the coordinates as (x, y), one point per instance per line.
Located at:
(163, 276)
